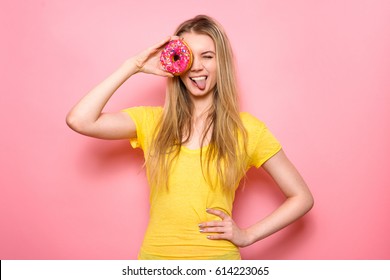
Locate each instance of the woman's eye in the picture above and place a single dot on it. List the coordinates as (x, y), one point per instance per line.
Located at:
(208, 57)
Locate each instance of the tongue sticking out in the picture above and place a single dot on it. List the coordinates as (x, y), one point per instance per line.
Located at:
(200, 82)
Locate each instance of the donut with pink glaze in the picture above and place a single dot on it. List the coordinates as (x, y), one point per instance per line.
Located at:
(176, 57)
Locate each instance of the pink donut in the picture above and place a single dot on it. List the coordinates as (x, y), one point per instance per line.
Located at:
(176, 57)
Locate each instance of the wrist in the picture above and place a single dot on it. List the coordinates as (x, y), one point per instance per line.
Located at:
(250, 236)
(130, 66)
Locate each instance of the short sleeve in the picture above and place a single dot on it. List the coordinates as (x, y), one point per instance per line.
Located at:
(145, 119)
(262, 144)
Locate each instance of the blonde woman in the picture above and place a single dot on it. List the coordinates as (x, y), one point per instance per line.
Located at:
(197, 148)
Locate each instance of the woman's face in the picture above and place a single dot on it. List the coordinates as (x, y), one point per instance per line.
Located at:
(201, 78)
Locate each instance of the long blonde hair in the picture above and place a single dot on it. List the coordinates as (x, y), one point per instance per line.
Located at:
(227, 147)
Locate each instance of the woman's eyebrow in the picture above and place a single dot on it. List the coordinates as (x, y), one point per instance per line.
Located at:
(205, 52)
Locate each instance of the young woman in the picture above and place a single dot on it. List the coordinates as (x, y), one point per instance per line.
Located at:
(197, 148)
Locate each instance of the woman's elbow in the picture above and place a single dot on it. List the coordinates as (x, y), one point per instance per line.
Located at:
(308, 201)
(75, 123)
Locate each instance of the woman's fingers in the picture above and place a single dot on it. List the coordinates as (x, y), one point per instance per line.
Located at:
(219, 237)
(217, 226)
(160, 45)
(225, 229)
(165, 41)
(148, 61)
(164, 73)
(213, 230)
(218, 213)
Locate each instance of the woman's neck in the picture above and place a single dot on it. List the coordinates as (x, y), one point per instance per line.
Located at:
(201, 106)
(199, 123)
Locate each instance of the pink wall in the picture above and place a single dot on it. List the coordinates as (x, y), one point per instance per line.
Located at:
(317, 72)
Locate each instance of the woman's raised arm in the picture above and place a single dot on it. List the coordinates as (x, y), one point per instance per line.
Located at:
(87, 118)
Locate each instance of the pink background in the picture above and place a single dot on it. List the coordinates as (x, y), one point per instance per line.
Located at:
(317, 72)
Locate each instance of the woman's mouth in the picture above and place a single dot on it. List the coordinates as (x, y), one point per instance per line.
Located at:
(199, 82)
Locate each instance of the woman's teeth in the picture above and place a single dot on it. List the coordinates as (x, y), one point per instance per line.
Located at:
(198, 78)
(200, 82)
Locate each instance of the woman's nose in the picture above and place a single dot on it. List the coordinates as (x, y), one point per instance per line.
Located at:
(196, 64)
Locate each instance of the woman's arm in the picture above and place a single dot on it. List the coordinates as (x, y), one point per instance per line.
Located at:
(86, 116)
(298, 202)
(299, 199)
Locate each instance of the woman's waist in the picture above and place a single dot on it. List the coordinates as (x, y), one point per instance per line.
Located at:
(183, 239)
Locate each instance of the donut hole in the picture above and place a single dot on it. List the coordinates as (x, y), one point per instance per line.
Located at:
(176, 57)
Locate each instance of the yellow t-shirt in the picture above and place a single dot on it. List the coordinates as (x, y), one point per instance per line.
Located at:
(175, 213)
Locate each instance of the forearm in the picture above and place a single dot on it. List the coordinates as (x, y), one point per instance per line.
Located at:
(90, 107)
(292, 209)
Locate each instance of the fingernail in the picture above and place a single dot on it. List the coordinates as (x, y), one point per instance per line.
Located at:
(201, 230)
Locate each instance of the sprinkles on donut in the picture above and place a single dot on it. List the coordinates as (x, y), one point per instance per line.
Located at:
(176, 57)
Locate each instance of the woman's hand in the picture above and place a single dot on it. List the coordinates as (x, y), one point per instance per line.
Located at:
(148, 61)
(225, 229)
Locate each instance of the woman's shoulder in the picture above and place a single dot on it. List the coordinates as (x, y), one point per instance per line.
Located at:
(262, 144)
(145, 111)
(156, 111)
(251, 122)
(148, 109)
